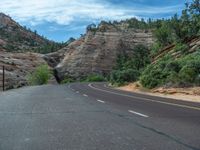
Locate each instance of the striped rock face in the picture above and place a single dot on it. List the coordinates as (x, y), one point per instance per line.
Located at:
(96, 52)
(17, 67)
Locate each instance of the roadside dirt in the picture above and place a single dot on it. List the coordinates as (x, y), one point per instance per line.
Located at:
(185, 94)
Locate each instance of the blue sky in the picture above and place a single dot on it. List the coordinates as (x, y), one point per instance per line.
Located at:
(60, 19)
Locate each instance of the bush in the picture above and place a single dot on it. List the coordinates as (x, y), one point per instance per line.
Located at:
(184, 71)
(95, 78)
(121, 77)
(155, 49)
(40, 76)
(153, 76)
(67, 80)
(188, 74)
(181, 47)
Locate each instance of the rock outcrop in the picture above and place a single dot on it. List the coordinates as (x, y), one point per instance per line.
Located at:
(97, 51)
(193, 45)
(17, 67)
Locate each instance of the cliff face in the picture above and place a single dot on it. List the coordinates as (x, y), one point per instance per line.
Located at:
(97, 51)
(17, 67)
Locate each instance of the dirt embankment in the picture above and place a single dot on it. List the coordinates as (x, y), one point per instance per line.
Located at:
(186, 94)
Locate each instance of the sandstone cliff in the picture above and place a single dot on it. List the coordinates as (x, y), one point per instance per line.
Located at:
(97, 51)
(17, 67)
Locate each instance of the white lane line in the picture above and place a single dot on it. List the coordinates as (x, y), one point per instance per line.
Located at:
(146, 99)
(85, 95)
(137, 113)
(100, 101)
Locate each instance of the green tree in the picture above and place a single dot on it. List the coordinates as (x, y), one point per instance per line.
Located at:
(164, 34)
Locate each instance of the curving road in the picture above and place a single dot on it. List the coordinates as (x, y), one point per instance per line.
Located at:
(93, 116)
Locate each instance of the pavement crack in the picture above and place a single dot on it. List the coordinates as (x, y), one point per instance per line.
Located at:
(165, 135)
(155, 131)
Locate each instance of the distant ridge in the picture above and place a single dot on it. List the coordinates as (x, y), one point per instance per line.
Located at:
(15, 38)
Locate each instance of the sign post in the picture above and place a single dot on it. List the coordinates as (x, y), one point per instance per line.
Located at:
(3, 78)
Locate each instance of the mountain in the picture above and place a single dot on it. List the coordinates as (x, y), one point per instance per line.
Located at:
(98, 49)
(15, 38)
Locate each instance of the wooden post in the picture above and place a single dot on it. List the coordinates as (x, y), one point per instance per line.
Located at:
(3, 78)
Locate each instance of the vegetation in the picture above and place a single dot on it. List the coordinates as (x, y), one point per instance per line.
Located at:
(167, 71)
(95, 78)
(21, 39)
(184, 71)
(68, 79)
(40, 76)
(89, 78)
(128, 68)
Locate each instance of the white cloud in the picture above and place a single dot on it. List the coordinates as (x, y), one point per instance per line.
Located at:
(64, 12)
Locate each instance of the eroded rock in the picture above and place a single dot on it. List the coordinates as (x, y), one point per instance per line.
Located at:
(96, 52)
(17, 67)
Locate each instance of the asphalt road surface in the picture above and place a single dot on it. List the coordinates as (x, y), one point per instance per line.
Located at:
(92, 116)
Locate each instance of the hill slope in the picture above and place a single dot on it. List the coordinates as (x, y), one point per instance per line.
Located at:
(14, 37)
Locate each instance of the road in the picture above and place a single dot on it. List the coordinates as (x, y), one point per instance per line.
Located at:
(93, 116)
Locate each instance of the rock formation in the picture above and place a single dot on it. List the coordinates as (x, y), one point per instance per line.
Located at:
(193, 45)
(97, 51)
(17, 67)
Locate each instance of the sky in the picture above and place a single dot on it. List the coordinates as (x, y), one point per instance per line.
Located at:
(59, 20)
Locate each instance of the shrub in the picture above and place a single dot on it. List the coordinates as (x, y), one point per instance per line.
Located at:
(187, 74)
(184, 71)
(40, 76)
(155, 49)
(67, 80)
(95, 78)
(120, 77)
(153, 76)
(181, 47)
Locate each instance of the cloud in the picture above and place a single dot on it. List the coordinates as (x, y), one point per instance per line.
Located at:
(64, 12)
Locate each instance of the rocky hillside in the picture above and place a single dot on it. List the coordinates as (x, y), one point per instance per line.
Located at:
(17, 67)
(193, 44)
(98, 49)
(14, 37)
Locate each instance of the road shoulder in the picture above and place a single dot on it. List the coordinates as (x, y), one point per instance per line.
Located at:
(166, 93)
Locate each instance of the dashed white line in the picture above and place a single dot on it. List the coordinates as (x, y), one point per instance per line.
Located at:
(85, 95)
(100, 101)
(146, 99)
(137, 113)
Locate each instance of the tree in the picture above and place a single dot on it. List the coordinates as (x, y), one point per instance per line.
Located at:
(164, 34)
(91, 27)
